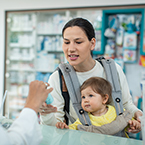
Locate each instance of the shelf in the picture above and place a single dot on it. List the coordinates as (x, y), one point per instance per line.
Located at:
(53, 51)
(44, 71)
(21, 29)
(51, 34)
(20, 45)
(16, 107)
(26, 70)
(21, 59)
(107, 13)
(13, 93)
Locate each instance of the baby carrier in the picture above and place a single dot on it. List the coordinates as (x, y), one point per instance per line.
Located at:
(68, 76)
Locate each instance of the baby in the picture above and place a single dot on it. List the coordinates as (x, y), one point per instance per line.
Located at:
(95, 93)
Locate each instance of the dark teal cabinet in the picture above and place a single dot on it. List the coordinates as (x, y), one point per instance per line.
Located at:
(107, 13)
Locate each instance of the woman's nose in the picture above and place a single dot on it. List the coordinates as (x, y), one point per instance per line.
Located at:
(71, 47)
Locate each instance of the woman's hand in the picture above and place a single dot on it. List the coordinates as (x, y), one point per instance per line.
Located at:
(137, 116)
(61, 125)
(46, 109)
(134, 126)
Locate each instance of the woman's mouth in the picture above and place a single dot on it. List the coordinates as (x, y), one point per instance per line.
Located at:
(73, 57)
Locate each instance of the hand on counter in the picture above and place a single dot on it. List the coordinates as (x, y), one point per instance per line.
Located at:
(62, 125)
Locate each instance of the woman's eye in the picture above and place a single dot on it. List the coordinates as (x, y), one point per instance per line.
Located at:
(66, 42)
(91, 95)
(78, 42)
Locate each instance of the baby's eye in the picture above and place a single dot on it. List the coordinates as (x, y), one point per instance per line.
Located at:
(83, 97)
(91, 95)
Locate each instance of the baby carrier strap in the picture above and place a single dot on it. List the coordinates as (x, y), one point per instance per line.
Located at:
(112, 77)
(65, 95)
(73, 87)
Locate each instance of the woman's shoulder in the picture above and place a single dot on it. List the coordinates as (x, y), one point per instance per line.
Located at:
(100, 66)
(55, 73)
(118, 66)
(54, 76)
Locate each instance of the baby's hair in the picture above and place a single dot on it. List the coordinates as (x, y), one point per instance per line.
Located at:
(98, 85)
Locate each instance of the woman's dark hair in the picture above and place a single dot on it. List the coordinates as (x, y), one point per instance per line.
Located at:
(98, 85)
(84, 24)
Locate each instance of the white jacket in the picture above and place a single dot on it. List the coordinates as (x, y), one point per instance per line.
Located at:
(24, 131)
(98, 70)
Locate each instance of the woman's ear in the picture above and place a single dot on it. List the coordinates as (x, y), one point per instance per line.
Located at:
(93, 42)
(105, 99)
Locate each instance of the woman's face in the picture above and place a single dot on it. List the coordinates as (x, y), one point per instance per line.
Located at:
(76, 46)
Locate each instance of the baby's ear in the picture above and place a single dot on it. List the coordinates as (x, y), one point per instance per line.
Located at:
(105, 99)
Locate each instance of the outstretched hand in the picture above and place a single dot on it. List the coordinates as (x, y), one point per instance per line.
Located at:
(38, 93)
(46, 109)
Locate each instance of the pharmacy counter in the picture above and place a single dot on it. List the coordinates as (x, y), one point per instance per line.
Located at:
(54, 136)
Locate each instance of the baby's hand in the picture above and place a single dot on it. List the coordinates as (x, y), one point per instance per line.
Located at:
(61, 125)
(134, 126)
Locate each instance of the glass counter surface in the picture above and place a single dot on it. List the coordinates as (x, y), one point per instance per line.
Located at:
(54, 136)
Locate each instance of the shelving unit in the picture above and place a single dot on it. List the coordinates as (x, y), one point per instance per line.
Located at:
(115, 12)
(19, 59)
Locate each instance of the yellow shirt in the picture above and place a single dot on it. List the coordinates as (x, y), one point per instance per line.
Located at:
(98, 120)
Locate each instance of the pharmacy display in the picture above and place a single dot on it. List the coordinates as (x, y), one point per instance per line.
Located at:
(123, 37)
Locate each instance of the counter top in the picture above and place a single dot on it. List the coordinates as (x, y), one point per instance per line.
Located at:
(54, 136)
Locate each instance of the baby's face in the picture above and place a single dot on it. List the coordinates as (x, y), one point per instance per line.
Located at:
(91, 101)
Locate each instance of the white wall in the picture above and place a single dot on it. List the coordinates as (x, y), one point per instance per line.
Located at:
(46, 4)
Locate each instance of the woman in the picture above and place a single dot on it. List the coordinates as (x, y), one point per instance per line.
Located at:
(78, 42)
